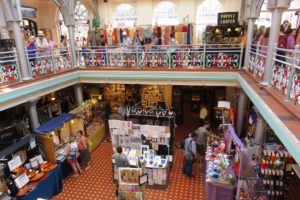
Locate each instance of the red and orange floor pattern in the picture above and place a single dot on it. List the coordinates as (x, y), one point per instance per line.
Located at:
(96, 182)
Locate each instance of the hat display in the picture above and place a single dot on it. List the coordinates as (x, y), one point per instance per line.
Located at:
(124, 33)
(40, 33)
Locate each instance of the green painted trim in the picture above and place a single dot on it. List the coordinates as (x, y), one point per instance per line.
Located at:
(37, 88)
(275, 126)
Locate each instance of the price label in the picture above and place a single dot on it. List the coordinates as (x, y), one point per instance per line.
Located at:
(36, 160)
(32, 143)
(14, 163)
(21, 180)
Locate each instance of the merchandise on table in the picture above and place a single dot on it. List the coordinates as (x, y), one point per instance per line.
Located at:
(218, 168)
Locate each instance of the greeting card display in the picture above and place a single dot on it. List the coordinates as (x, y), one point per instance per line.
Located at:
(129, 176)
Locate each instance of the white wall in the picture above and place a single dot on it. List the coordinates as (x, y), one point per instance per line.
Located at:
(2, 19)
(145, 9)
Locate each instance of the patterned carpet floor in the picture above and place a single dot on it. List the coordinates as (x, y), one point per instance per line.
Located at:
(96, 182)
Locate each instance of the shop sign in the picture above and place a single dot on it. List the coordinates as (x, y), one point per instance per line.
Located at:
(14, 163)
(28, 12)
(228, 18)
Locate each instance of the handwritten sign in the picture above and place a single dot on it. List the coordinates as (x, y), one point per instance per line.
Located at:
(36, 160)
(21, 180)
(14, 163)
(228, 18)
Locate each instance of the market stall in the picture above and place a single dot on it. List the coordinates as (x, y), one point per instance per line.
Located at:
(131, 183)
(148, 144)
(91, 114)
(48, 186)
(56, 133)
(221, 172)
(31, 177)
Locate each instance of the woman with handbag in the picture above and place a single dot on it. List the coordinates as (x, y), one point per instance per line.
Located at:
(72, 149)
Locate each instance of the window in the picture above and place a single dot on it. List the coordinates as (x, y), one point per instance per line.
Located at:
(207, 14)
(124, 16)
(165, 14)
(81, 20)
(265, 17)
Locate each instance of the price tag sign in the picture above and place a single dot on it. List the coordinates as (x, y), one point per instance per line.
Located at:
(36, 160)
(14, 163)
(21, 180)
(32, 143)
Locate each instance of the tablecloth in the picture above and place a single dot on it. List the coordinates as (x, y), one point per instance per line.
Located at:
(215, 191)
(47, 188)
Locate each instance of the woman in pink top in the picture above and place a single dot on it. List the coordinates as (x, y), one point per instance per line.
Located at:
(263, 41)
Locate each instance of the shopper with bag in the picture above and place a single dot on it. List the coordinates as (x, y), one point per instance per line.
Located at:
(190, 153)
(72, 148)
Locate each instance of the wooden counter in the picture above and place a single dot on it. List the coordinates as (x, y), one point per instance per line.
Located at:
(95, 137)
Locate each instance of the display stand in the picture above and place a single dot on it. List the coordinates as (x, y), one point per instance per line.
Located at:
(129, 187)
(146, 143)
(93, 124)
(54, 134)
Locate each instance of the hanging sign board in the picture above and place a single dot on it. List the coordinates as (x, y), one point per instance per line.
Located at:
(228, 18)
(28, 12)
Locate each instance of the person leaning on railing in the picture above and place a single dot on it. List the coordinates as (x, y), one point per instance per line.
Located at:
(42, 43)
(263, 41)
(31, 48)
(63, 45)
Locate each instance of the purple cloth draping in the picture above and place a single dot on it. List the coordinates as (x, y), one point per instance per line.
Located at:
(216, 191)
(230, 133)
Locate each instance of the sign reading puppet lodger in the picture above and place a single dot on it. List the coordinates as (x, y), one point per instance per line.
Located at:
(228, 18)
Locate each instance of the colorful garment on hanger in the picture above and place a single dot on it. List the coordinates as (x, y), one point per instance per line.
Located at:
(148, 32)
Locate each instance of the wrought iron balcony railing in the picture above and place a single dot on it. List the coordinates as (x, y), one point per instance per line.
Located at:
(285, 72)
(9, 67)
(179, 56)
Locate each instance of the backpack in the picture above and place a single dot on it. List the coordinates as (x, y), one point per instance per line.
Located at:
(181, 144)
(73, 151)
(282, 41)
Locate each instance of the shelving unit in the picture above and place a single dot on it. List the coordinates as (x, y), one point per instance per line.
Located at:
(177, 101)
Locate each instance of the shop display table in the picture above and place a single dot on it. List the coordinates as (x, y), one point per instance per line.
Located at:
(216, 191)
(48, 187)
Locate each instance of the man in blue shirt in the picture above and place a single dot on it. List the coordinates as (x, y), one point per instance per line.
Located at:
(190, 153)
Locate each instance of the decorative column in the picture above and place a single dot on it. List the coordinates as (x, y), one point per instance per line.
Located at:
(259, 137)
(277, 8)
(67, 9)
(253, 8)
(13, 16)
(34, 119)
(242, 105)
(78, 94)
